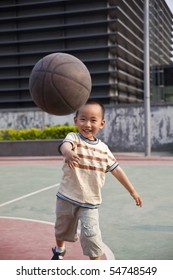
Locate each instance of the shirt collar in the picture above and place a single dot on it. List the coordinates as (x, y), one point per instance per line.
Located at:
(92, 142)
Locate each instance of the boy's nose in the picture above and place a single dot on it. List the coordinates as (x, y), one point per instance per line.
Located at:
(88, 123)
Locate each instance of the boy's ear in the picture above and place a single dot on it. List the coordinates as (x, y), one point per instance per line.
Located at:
(75, 119)
(102, 123)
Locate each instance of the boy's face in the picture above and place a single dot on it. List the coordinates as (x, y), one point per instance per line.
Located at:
(89, 120)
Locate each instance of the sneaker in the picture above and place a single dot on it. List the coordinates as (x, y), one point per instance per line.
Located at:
(57, 255)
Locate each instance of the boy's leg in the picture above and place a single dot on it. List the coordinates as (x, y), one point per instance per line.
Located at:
(60, 243)
(91, 240)
(60, 246)
(65, 226)
(66, 222)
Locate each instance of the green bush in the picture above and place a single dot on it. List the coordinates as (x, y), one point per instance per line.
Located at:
(54, 132)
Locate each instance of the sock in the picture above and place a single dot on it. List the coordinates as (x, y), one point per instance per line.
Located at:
(60, 249)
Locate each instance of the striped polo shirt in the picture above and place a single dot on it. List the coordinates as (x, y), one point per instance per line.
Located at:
(82, 185)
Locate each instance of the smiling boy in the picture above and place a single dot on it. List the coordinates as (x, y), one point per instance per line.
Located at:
(86, 160)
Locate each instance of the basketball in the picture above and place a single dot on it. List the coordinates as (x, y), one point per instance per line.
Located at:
(60, 84)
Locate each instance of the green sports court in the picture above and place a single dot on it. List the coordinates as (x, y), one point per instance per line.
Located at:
(27, 209)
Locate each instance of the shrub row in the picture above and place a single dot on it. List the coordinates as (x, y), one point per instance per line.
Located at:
(54, 132)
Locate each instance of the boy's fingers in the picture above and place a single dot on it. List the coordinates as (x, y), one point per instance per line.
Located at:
(139, 202)
(71, 165)
(76, 160)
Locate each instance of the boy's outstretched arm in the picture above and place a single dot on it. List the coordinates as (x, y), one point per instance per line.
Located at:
(71, 158)
(120, 175)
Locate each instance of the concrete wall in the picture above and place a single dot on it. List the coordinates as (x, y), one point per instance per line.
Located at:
(30, 118)
(124, 130)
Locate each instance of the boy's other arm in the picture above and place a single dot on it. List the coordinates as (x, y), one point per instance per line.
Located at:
(120, 175)
(71, 158)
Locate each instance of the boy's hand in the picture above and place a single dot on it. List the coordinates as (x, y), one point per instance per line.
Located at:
(71, 158)
(137, 198)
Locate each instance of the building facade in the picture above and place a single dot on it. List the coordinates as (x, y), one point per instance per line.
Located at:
(161, 65)
(107, 35)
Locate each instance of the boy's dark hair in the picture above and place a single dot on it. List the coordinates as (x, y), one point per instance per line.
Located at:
(94, 101)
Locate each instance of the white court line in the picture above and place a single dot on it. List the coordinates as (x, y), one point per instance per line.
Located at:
(28, 195)
(109, 254)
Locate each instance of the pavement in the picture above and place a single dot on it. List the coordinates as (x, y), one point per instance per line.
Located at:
(27, 208)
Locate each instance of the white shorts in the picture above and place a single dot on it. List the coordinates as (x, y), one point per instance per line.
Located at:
(68, 216)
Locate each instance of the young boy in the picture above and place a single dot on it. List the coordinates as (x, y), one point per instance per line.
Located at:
(87, 159)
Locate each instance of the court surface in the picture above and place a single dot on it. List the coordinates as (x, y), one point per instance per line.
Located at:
(28, 189)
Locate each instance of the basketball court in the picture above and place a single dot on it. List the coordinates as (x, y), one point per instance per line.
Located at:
(27, 210)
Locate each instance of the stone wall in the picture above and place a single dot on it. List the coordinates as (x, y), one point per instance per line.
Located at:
(124, 129)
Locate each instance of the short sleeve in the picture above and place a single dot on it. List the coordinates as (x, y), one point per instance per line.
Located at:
(71, 138)
(112, 162)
